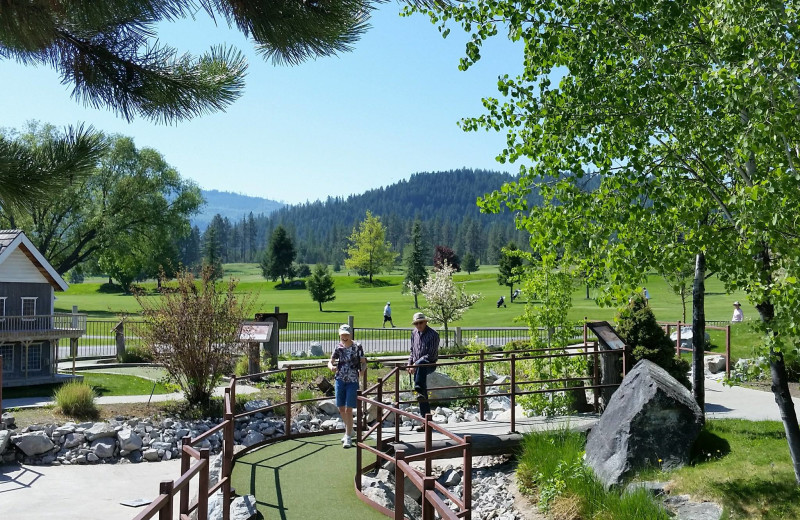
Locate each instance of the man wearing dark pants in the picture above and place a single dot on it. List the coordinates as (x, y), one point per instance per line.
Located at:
(424, 350)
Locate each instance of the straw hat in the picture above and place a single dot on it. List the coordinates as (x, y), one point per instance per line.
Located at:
(418, 317)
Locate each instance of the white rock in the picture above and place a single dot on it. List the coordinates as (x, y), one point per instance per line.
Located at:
(99, 431)
(5, 440)
(73, 440)
(151, 455)
(34, 443)
(715, 364)
(329, 407)
(104, 447)
(129, 440)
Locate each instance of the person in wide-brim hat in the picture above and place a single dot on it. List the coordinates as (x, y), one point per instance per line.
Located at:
(424, 353)
(419, 318)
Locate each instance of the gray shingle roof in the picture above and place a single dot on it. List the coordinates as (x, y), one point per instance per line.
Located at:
(7, 236)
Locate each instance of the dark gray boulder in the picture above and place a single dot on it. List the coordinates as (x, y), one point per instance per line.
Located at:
(650, 420)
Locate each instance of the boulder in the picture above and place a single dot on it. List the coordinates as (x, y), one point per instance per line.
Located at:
(129, 440)
(8, 421)
(329, 407)
(34, 443)
(437, 380)
(686, 336)
(151, 455)
(253, 438)
(5, 440)
(316, 350)
(651, 420)
(715, 364)
(73, 440)
(99, 431)
(244, 508)
(255, 404)
(104, 447)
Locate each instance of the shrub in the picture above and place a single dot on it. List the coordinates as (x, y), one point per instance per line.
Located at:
(76, 399)
(637, 326)
(135, 355)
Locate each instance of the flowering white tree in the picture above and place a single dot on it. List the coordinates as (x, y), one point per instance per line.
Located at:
(446, 301)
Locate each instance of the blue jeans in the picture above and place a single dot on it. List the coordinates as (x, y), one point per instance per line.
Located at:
(421, 386)
(346, 394)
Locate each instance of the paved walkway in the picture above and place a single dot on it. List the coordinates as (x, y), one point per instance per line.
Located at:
(45, 492)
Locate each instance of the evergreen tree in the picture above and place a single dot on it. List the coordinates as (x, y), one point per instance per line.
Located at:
(279, 259)
(211, 252)
(510, 267)
(369, 253)
(414, 262)
(470, 264)
(321, 285)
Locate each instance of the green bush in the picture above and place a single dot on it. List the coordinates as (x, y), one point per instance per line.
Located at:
(135, 355)
(637, 326)
(76, 399)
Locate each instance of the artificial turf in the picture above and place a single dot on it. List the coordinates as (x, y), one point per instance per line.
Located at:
(304, 479)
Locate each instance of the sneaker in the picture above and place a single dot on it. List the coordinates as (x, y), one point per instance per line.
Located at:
(347, 442)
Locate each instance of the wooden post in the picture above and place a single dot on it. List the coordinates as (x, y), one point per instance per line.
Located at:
(585, 333)
(513, 393)
(428, 484)
(119, 339)
(227, 456)
(728, 351)
(165, 488)
(678, 342)
(468, 476)
(379, 431)
(596, 379)
(73, 351)
(458, 336)
(202, 486)
(359, 411)
(288, 407)
(428, 444)
(183, 500)
(399, 486)
(481, 386)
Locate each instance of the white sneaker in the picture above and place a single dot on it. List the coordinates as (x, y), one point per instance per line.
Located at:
(347, 442)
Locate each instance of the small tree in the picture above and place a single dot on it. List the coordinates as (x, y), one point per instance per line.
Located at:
(212, 252)
(321, 285)
(416, 272)
(278, 261)
(510, 267)
(446, 301)
(303, 270)
(637, 326)
(470, 264)
(445, 255)
(369, 253)
(193, 331)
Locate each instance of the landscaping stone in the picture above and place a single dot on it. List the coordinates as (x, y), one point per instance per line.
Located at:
(104, 447)
(329, 407)
(715, 364)
(651, 420)
(316, 350)
(99, 431)
(684, 509)
(34, 443)
(8, 421)
(129, 440)
(5, 440)
(437, 380)
(151, 455)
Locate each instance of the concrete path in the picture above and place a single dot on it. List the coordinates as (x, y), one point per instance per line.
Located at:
(33, 402)
(737, 402)
(80, 492)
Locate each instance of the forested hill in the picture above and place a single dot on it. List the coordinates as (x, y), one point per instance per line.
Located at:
(234, 206)
(445, 203)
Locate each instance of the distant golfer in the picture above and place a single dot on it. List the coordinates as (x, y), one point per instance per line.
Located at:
(348, 361)
(424, 350)
(738, 315)
(387, 314)
(646, 293)
(501, 302)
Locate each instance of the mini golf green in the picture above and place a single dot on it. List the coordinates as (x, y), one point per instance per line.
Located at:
(304, 479)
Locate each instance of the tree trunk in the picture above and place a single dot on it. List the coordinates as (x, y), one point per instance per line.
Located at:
(587, 291)
(699, 331)
(320, 306)
(446, 337)
(780, 388)
(683, 300)
(511, 292)
(416, 304)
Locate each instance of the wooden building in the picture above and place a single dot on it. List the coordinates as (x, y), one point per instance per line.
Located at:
(30, 329)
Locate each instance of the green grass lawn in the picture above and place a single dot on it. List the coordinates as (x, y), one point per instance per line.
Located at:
(103, 384)
(743, 465)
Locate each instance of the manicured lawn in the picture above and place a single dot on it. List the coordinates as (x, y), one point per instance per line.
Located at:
(103, 384)
(745, 466)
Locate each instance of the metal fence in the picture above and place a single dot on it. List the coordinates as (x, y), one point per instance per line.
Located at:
(100, 339)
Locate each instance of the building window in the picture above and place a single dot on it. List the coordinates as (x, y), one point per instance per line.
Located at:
(7, 351)
(3, 308)
(28, 308)
(34, 361)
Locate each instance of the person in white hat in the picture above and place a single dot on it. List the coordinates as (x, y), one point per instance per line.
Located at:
(424, 351)
(738, 315)
(387, 314)
(349, 362)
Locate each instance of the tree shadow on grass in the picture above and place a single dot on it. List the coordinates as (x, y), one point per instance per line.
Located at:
(766, 496)
(376, 282)
(709, 446)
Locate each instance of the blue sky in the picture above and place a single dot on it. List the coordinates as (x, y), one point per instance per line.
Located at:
(334, 126)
